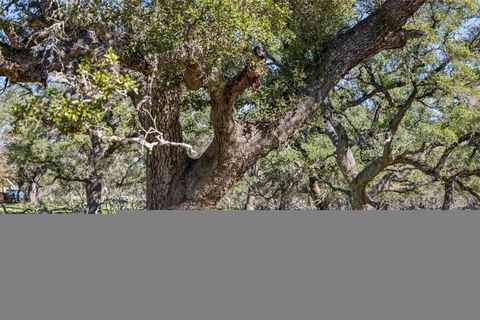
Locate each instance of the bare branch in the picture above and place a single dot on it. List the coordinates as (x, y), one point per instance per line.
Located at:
(158, 140)
(335, 188)
(470, 190)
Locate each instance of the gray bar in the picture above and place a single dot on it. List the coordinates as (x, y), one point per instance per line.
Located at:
(248, 266)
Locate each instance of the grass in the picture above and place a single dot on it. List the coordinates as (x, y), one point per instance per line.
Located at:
(56, 206)
(23, 208)
(15, 208)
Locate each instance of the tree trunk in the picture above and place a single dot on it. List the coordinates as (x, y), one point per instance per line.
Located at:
(319, 195)
(251, 197)
(284, 199)
(93, 189)
(32, 193)
(448, 198)
(252, 190)
(360, 200)
(166, 165)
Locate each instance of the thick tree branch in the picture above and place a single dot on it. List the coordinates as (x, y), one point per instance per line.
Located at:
(70, 178)
(34, 62)
(224, 98)
(343, 153)
(380, 31)
(33, 65)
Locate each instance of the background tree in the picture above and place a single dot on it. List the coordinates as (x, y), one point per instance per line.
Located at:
(30, 153)
(55, 145)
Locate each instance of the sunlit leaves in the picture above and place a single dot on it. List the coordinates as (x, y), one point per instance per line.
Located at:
(97, 88)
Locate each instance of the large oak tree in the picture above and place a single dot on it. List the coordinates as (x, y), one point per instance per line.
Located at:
(221, 49)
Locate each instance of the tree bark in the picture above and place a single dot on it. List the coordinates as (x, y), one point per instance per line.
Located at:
(93, 190)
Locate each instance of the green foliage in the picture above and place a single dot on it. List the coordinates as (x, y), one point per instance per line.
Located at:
(314, 22)
(221, 29)
(97, 90)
